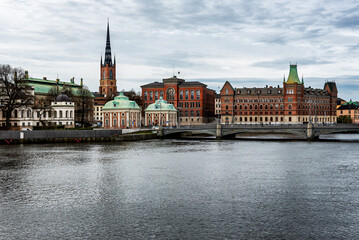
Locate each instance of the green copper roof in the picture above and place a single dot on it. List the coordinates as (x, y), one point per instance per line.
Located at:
(42, 86)
(121, 102)
(293, 75)
(350, 103)
(161, 105)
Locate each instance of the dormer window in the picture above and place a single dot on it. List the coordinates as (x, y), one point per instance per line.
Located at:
(248, 91)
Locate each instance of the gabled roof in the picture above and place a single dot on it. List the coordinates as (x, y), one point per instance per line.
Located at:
(227, 83)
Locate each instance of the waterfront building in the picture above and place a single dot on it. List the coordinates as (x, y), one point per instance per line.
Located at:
(193, 100)
(350, 110)
(161, 113)
(121, 113)
(291, 104)
(46, 91)
(108, 82)
(217, 105)
(61, 112)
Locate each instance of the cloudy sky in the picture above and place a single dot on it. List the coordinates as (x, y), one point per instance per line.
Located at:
(249, 43)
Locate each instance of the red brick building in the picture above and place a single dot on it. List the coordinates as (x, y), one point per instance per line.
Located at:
(292, 103)
(193, 100)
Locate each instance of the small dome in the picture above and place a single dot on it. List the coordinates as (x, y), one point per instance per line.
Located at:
(63, 98)
(161, 105)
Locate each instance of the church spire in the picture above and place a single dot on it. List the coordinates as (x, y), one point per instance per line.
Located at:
(108, 58)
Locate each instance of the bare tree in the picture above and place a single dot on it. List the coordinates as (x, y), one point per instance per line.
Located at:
(85, 105)
(14, 92)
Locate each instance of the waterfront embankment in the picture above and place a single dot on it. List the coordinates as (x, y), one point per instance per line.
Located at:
(54, 136)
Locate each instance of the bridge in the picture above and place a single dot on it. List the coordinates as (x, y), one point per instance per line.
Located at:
(310, 131)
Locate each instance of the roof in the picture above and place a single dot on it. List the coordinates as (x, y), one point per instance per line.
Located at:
(180, 82)
(267, 91)
(349, 105)
(293, 75)
(63, 98)
(121, 102)
(161, 105)
(43, 86)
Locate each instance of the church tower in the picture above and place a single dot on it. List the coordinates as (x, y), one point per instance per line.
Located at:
(108, 86)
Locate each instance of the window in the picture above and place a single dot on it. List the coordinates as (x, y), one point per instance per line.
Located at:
(67, 114)
(226, 91)
(186, 113)
(111, 74)
(181, 95)
(161, 94)
(156, 95)
(145, 95)
(197, 113)
(151, 95)
(170, 94)
(192, 94)
(186, 94)
(60, 114)
(103, 75)
(198, 95)
(115, 122)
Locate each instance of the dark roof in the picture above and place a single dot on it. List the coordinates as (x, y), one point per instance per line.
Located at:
(348, 106)
(63, 98)
(152, 85)
(267, 91)
(192, 83)
(97, 94)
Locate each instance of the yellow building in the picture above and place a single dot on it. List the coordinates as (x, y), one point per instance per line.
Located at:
(348, 110)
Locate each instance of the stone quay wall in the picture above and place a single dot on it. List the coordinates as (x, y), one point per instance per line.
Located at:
(48, 136)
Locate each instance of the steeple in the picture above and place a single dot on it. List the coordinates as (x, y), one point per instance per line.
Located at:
(108, 58)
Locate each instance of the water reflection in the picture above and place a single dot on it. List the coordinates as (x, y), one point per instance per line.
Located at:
(180, 189)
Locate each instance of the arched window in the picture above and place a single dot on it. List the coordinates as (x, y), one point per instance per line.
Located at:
(240, 106)
(15, 113)
(67, 114)
(156, 95)
(145, 95)
(151, 95)
(70, 114)
(28, 113)
(192, 113)
(161, 94)
(290, 106)
(115, 122)
(198, 95)
(226, 91)
(170, 94)
(186, 94)
(60, 113)
(103, 74)
(181, 95)
(192, 94)
(186, 113)
(198, 113)
(250, 106)
(181, 113)
(226, 107)
(55, 114)
(111, 74)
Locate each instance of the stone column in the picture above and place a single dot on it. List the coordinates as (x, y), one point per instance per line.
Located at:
(219, 131)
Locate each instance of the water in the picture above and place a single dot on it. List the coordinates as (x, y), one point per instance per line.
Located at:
(180, 189)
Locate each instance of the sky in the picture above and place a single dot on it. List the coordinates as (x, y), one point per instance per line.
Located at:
(248, 43)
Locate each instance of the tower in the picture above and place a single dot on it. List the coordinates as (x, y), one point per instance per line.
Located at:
(108, 81)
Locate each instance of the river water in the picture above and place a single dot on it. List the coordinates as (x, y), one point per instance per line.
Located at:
(180, 189)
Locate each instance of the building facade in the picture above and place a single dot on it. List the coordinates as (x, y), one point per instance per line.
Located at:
(193, 100)
(121, 113)
(61, 112)
(291, 104)
(46, 91)
(350, 110)
(217, 108)
(161, 113)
